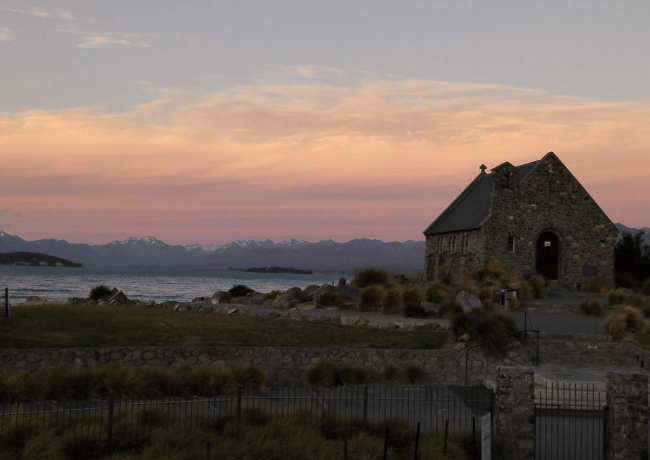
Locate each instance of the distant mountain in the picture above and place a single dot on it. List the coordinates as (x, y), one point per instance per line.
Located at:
(633, 231)
(399, 257)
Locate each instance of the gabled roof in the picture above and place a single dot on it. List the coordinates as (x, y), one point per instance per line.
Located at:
(472, 207)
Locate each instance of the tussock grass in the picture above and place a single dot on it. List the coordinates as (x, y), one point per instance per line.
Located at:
(600, 283)
(625, 321)
(65, 325)
(372, 277)
(590, 307)
(436, 291)
(616, 296)
(371, 298)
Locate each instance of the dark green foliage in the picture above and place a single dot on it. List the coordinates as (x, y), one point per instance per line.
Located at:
(591, 308)
(239, 290)
(632, 257)
(330, 298)
(415, 311)
(414, 373)
(321, 374)
(100, 292)
(484, 325)
(342, 282)
(645, 287)
(249, 376)
(371, 277)
(352, 375)
(392, 373)
(371, 298)
(331, 424)
(325, 373)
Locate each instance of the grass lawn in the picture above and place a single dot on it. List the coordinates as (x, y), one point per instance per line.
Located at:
(50, 326)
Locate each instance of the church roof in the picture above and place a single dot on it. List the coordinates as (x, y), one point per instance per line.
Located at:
(472, 207)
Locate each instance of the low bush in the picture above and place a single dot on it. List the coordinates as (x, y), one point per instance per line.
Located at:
(514, 304)
(412, 295)
(370, 298)
(415, 311)
(392, 374)
(100, 292)
(414, 373)
(249, 376)
(591, 308)
(645, 287)
(353, 375)
(538, 286)
(391, 302)
(342, 282)
(436, 291)
(600, 283)
(372, 277)
(624, 321)
(240, 290)
(483, 325)
(330, 298)
(449, 309)
(616, 296)
(321, 374)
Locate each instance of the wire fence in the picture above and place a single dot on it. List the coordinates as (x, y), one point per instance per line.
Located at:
(117, 424)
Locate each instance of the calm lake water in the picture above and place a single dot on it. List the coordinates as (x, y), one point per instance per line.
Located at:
(145, 283)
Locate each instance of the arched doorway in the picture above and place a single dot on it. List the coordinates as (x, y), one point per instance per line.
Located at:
(548, 255)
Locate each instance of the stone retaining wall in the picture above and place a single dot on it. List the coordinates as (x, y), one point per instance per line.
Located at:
(582, 348)
(285, 366)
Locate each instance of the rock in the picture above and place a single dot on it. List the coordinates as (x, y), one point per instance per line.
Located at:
(220, 297)
(349, 293)
(309, 291)
(296, 316)
(350, 320)
(322, 289)
(464, 338)
(232, 312)
(119, 298)
(170, 304)
(467, 301)
(34, 300)
(307, 306)
(201, 299)
(285, 300)
(431, 308)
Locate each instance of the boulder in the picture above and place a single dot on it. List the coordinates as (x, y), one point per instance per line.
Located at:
(467, 301)
(170, 304)
(220, 297)
(431, 308)
(201, 299)
(309, 290)
(77, 300)
(288, 299)
(119, 298)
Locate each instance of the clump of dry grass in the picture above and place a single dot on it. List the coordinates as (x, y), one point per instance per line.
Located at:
(372, 277)
(616, 296)
(391, 302)
(626, 320)
(600, 283)
(412, 295)
(436, 291)
(370, 298)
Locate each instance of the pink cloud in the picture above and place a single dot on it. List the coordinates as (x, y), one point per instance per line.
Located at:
(377, 160)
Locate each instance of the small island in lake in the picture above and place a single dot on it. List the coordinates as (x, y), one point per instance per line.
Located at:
(293, 271)
(34, 259)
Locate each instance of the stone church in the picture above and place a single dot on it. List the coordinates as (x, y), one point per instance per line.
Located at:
(533, 218)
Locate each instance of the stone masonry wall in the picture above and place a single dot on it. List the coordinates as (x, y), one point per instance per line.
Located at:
(627, 417)
(285, 366)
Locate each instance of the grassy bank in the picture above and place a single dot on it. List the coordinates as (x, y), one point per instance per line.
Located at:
(65, 325)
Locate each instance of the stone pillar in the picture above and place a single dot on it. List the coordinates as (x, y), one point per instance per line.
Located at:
(515, 418)
(627, 418)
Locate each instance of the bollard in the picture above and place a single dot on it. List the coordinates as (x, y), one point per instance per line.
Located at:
(7, 302)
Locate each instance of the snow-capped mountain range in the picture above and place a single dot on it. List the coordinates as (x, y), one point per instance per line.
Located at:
(402, 257)
(327, 255)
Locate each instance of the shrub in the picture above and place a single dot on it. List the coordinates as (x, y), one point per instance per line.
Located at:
(392, 373)
(415, 311)
(538, 286)
(591, 308)
(342, 282)
(484, 325)
(448, 310)
(372, 277)
(414, 373)
(626, 280)
(412, 295)
(616, 296)
(249, 376)
(370, 298)
(353, 375)
(239, 290)
(599, 283)
(514, 304)
(321, 374)
(391, 303)
(330, 298)
(100, 292)
(436, 291)
(491, 271)
(623, 321)
(645, 287)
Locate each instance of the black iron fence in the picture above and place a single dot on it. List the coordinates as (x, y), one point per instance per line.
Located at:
(570, 422)
(117, 424)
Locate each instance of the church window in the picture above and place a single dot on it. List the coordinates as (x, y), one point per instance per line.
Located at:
(511, 243)
(505, 181)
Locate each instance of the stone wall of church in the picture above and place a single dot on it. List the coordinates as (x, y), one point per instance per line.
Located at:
(458, 253)
(550, 199)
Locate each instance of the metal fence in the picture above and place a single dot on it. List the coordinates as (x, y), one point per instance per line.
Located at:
(570, 422)
(117, 423)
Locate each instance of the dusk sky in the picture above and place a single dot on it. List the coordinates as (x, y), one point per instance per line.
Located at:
(210, 121)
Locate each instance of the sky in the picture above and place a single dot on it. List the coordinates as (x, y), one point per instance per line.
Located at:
(208, 121)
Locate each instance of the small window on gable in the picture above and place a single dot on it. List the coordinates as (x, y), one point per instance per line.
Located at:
(452, 244)
(505, 181)
(466, 245)
(511, 243)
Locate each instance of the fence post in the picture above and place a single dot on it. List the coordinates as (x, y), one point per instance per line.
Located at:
(417, 441)
(7, 302)
(239, 391)
(109, 434)
(444, 445)
(365, 406)
(386, 444)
